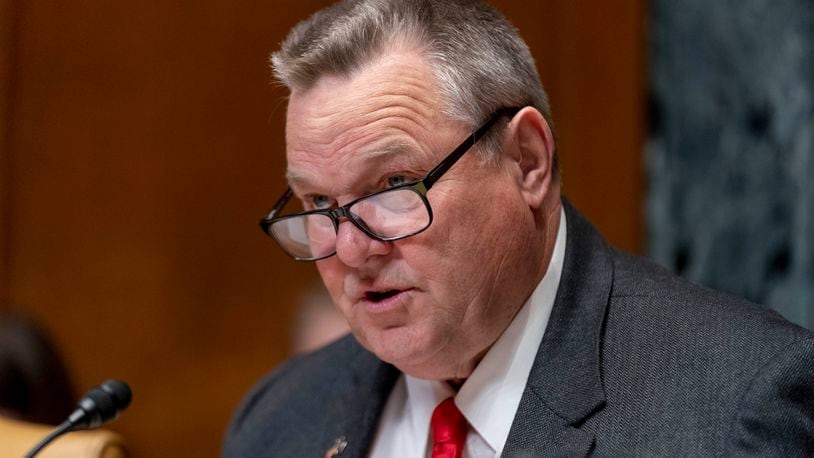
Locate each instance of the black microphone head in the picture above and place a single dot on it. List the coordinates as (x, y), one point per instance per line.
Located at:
(120, 391)
(101, 404)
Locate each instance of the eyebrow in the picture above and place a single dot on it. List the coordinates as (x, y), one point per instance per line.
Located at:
(390, 149)
(294, 177)
(366, 156)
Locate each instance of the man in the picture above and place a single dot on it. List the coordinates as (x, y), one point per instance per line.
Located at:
(488, 316)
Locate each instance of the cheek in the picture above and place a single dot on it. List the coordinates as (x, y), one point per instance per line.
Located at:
(473, 236)
(474, 224)
(448, 255)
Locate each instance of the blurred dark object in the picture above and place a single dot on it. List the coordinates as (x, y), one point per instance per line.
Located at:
(34, 383)
(731, 148)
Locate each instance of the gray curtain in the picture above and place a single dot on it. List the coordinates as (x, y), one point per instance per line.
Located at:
(730, 155)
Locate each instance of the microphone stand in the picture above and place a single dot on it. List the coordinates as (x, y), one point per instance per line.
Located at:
(65, 427)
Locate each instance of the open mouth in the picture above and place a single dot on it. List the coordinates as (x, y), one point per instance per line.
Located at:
(377, 296)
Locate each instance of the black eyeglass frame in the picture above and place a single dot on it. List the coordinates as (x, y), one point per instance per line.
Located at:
(420, 187)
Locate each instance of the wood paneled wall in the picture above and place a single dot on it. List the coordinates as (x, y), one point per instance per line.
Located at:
(142, 141)
(591, 59)
(6, 56)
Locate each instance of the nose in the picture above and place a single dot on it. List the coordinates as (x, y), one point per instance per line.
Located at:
(354, 247)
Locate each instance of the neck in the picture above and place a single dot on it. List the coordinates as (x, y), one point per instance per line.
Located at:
(456, 384)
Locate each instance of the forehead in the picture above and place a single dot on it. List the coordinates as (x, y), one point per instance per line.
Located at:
(389, 110)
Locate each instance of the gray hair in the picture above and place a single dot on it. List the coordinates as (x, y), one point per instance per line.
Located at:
(479, 59)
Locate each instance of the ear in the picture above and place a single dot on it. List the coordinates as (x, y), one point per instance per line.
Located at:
(532, 155)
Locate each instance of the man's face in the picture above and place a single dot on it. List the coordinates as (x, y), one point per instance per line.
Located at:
(431, 304)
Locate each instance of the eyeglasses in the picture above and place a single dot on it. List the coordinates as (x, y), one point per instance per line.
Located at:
(392, 214)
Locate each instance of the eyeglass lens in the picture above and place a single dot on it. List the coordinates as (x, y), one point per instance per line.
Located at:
(387, 215)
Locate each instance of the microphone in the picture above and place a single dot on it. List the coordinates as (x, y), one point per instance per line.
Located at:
(98, 406)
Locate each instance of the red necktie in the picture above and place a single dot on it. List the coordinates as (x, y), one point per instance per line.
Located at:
(448, 427)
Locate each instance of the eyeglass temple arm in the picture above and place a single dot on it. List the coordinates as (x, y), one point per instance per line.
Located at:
(280, 203)
(453, 157)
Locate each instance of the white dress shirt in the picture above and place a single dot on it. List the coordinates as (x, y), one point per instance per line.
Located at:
(490, 396)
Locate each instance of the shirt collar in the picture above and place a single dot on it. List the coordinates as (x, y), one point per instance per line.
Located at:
(490, 396)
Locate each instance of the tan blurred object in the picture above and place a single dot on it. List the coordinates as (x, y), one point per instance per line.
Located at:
(17, 438)
(318, 322)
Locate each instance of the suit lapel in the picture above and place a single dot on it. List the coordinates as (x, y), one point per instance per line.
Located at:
(353, 419)
(565, 384)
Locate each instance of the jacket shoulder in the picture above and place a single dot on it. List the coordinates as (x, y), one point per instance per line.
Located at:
(708, 363)
(635, 276)
(288, 401)
(651, 292)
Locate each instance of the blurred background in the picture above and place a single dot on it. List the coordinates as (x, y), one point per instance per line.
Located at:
(141, 142)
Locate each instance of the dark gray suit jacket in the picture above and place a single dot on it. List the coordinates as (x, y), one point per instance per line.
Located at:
(635, 362)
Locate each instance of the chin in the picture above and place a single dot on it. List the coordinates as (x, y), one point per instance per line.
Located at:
(410, 354)
(395, 345)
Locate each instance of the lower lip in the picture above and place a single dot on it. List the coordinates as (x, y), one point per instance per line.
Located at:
(389, 304)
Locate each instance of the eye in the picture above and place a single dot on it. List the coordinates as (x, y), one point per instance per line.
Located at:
(395, 180)
(319, 202)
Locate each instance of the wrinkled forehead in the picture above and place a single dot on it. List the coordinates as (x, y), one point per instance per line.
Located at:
(394, 80)
(388, 109)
